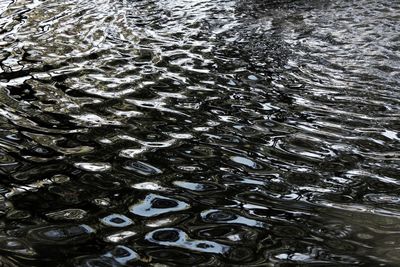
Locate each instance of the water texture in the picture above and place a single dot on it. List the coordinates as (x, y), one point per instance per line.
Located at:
(199, 133)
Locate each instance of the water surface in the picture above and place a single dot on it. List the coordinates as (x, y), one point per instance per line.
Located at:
(199, 133)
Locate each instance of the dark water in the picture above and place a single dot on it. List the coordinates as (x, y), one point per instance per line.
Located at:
(199, 133)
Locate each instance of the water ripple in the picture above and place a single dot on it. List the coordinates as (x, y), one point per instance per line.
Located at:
(199, 132)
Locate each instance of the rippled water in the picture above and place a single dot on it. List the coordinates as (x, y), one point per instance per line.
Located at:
(199, 133)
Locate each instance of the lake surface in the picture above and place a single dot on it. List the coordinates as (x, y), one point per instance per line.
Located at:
(199, 133)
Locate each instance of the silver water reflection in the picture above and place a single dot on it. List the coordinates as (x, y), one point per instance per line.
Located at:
(199, 132)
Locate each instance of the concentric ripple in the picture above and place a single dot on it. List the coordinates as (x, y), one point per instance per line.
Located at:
(199, 133)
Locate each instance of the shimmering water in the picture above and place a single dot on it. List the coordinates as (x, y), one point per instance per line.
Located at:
(199, 133)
